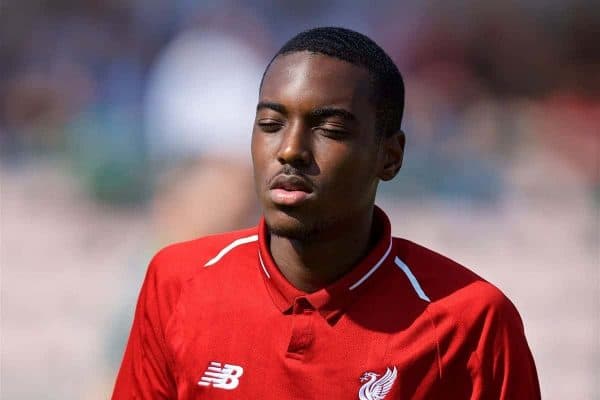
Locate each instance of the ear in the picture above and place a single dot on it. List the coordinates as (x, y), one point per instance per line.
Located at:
(393, 153)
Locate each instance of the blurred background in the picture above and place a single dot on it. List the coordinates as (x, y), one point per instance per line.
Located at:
(125, 125)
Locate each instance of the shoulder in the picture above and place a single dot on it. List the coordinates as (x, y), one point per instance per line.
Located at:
(453, 288)
(476, 326)
(174, 264)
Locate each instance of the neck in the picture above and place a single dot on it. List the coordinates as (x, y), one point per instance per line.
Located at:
(312, 265)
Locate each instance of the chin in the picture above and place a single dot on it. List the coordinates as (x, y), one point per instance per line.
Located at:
(291, 225)
(293, 232)
(286, 224)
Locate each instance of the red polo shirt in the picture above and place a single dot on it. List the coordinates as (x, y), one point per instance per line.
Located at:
(217, 320)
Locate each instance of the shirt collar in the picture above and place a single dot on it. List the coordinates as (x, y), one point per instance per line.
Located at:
(331, 300)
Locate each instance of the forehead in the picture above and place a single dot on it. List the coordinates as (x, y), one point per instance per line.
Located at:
(315, 80)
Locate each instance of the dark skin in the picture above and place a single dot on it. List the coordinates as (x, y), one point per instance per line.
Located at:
(317, 163)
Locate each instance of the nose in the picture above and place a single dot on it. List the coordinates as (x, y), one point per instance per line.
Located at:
(295, 146)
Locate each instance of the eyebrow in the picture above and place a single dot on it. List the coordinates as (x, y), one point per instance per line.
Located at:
(273, 106)
(326, 112)
(321, 112)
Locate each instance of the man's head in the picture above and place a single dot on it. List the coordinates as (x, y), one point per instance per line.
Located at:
(357, 49)
(327, 129)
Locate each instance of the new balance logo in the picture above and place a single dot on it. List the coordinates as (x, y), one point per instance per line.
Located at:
(222, 377)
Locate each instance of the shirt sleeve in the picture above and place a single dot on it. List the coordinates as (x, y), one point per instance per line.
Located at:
(503, 362)
(147, 368)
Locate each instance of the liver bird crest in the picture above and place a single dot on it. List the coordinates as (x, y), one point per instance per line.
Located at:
(376, 387)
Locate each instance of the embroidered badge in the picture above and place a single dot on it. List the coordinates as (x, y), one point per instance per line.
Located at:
(375, 386)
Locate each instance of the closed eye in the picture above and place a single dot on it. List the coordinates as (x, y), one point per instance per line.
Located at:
(337, 134)
(333, 129)
(269, 125)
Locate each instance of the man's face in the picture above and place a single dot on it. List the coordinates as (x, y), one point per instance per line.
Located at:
(317, 160)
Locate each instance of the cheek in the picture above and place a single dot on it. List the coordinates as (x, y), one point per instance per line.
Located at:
(257, 162)
(262, 148)
(350, 170)
(263, 145)
(258, 151)
(253, 144)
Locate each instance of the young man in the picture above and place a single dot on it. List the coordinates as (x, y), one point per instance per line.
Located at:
(319, 301)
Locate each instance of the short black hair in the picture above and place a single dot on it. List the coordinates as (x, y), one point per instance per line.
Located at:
(357, 49)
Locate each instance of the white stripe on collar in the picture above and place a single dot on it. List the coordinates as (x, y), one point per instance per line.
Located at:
(263, 265)
(230, 247)
(372, 270)
(413, 280)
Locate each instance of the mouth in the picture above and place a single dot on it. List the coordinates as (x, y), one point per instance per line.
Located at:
(290, 190)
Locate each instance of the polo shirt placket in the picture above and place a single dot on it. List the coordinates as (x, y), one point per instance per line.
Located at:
(328, 303)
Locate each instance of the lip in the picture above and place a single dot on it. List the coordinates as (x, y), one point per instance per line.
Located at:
(289, 190)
